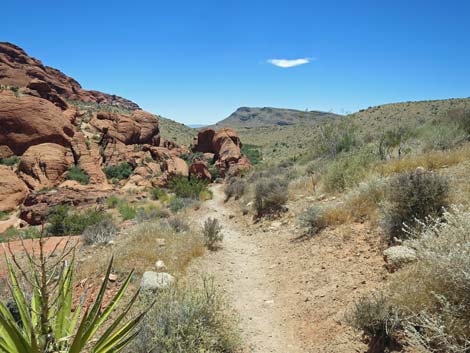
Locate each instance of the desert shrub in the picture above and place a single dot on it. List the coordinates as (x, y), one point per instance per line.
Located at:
(270, 196)
(119, 172)
(4, 215)
(177, 204)
(178, 224)
(376, 317)
(13, 233)
(190, 157)
(150, 213)
(348, 170)
(461, 117)
(63, 221)
(410, 198)
(158, 194)
(235, 188)
(312, 220)
(185, 187)
(212, 232)
(214, 171)
(187, 319)
(77, 174)
(126, 211)
(99, 233)
(10, 161)
(334, 138)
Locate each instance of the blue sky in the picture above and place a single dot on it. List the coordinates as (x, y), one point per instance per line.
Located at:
(197, 61)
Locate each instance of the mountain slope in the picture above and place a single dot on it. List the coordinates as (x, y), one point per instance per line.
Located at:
(246, 117)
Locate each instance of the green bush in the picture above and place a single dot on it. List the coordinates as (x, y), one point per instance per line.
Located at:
(410, 198)
(126, 211)
(189, 188)
(119, 172)
(77, 174)
(270, 196)
(158, 194)
(10, 161)
(312, 220)
(178, 203)
(187, 319)
(113, 201)
(252, 152)
(62, 221)
(441, 136)
(212, 233)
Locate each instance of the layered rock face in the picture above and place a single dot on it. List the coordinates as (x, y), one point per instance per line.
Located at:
(13, 190)
(18, 69)
(226, 147)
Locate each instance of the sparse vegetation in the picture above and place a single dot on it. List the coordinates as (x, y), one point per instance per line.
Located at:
(252, 152)
(77, 174)
(212, 233)
(159, 194)
(235, 188)
(126, 210)
(411, 197)
(178, 224)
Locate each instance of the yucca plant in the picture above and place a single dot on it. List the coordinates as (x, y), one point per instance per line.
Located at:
(49, 323)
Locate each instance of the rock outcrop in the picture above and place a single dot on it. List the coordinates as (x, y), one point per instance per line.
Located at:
(27, 121)
(199, 170)
(226, 147)
(18, 69)
(12, 189)
(43, 166)
(88, 158)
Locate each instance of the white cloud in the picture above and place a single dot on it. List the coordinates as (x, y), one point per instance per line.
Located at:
(285, 63)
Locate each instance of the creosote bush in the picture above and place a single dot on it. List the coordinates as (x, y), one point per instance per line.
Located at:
(212, 232)
(100, 233)
(270, 196)
(77, 174)
(410, 198)
(312, 220)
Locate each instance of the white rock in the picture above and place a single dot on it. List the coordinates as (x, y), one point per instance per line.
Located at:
(160, 265)
(398, 256)
(152, 281)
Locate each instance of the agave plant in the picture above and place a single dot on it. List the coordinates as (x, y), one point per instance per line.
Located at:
(49, 322)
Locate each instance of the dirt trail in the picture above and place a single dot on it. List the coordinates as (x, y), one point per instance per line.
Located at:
(241, 268)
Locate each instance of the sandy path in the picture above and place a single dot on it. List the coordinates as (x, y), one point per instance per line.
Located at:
(241, 268)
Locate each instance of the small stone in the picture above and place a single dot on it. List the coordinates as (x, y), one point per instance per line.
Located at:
(161, 242)
(160, 265)
(112, 277)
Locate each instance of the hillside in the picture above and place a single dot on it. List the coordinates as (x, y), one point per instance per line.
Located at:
(277, 142)
(246, 117)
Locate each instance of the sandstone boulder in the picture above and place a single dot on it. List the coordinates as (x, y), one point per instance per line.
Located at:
(12, 190)
(44, 165)
(203, 141)
(5, 152)
(199, 170)
(26, 121)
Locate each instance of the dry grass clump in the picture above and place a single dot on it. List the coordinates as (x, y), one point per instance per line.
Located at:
(235, 188)
(100, 233)
(212, 232)
(143, 246)
(431, 161)
(312, 220)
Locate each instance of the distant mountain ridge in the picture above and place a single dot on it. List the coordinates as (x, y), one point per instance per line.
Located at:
(247, 117)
